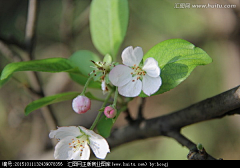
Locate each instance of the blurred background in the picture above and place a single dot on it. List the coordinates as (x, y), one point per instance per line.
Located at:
(63, 27)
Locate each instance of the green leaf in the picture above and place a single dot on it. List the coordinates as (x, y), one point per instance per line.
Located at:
(49, 100)
(2, 82)
(108, 25)
(104, 126)
(177, 58)
(44, 65)
(82, 60)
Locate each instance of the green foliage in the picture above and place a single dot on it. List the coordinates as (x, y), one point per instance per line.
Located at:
(44, 65)
(50, 100)
(82, 60)
(2, 82)
(108, 25)
(104, 126)
(177, 58)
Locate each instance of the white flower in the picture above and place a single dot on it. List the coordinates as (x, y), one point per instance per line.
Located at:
(73, 143)
(132, 77)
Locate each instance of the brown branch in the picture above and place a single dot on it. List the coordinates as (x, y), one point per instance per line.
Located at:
(194, 153)
(29, 32)
(31, 27)
(182, 139)
(227, 103)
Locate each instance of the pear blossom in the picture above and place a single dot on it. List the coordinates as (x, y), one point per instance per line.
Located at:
(81, 104)
(101, 70)
(74, 142)
(110, 112)
(132, 77)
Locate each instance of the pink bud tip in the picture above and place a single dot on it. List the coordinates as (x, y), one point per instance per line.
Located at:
(110, 112)
(81, 104)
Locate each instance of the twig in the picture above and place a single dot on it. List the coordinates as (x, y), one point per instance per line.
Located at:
(182, 139)
(194, 153)
(31, 27)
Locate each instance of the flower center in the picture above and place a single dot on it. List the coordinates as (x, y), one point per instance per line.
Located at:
(138, 72)
(102, 67)
(78, 144)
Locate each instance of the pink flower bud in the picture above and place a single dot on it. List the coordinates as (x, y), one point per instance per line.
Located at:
(81, 104)
(110, 112)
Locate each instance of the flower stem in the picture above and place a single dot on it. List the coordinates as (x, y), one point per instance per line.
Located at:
(100, 112)
(115, 97)
(86, 85)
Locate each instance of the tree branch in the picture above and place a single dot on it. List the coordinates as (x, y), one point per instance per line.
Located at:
(194, 153)
(226, 103)
(31, 26)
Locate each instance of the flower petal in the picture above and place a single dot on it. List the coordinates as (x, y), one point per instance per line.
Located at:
(85, 153)
(132, 56)
(151, 85)
(98, 144)
(151, 67)
(131, 89)
(120, 75)
(62, 149)
(99, 147)
(104, 87)
(63, 132)
(90, 133)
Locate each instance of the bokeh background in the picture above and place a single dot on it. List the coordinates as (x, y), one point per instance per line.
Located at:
(63, 28)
